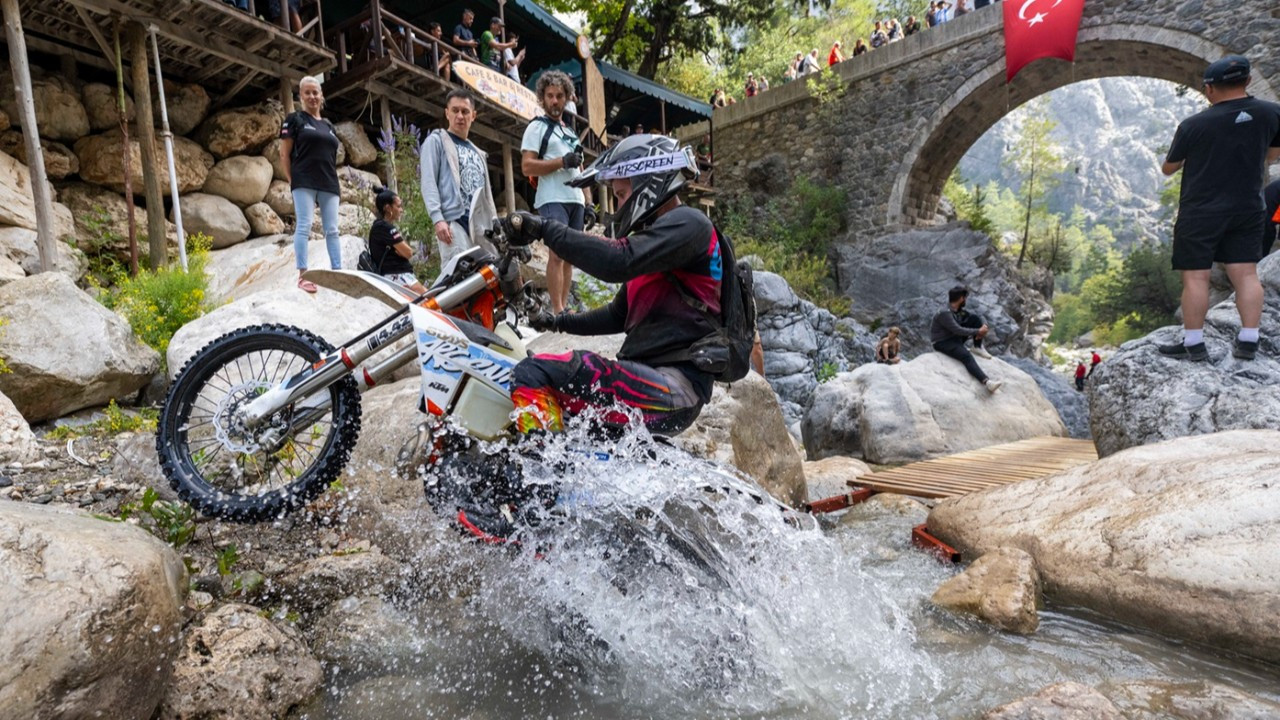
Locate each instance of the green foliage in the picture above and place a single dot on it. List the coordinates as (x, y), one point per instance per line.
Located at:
(970, 205)
(1039, 163)
(227, 558)
(1128, 299)
(594, 293)
(827, 372)
(4, 366)
(103, 240)
(792, 236)
(1071, 317)
(159, 302)
(173, 522)
(401, 147)
(116, 421)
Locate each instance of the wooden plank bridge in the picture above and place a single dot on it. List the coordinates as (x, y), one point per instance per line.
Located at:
(983, 468)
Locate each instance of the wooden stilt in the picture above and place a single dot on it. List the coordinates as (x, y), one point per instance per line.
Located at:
(286, 95)
(508, 178)
(30, 134)
(157, 244)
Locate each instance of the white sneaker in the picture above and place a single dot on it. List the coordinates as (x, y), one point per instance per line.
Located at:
(981, 352)
(993, 385)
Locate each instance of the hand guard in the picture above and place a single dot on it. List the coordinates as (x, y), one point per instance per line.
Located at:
(543, 321)
(522, 228)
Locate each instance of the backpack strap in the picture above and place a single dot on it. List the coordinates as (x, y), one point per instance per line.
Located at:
(546, 136)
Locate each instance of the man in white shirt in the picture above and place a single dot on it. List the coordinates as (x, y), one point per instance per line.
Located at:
(511, 62)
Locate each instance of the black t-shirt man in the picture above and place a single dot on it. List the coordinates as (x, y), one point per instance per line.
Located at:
(1224, 147)
(313, 164)
(462, 32)
(383, 237)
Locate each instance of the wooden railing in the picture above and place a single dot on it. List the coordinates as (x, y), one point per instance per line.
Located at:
(311, 28)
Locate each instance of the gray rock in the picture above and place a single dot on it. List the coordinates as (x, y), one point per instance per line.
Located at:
(365, 631)
(280, 198)
(238, 664)
(101, 220)
(217, 217)
(242, 179)
(831, 476)
(135, 461)
(923, 408)
(59, 161)
(92, 612)
(59, 113)
(357, 186)
(68, 354)
(1138, 396)
(1072, 405)
(1154, 699)
(1064, 701)
(268, 263)
(17, 203)
(186, 104)
(17, 442)
(321, 581)
(1100, 534)
(1002, 588)
(102, 163)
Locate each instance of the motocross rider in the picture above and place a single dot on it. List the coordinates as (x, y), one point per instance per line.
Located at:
(663, 252)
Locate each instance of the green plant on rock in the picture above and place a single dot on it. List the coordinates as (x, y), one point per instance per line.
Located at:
(159, 302)
(117, 421)
(173, 522)
(399, 148)
(4, 366)
(827, 372)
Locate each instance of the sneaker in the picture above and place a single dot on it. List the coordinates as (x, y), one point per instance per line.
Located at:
(1245, 350)
(993, 385)
(1194, 353)
(981, 352)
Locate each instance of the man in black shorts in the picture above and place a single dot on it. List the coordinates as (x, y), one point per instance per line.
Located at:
(1223, 151)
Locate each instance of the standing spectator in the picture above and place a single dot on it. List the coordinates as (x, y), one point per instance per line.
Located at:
(1094, 360)
(462, 37)
(309, 157)
(1080, 376)
(893, 29)
(639, 129)
(979, 4)
(444, 66)
(835, 56)
(703, 153)
(717, 100)
(1271, 231)
(793, 68)
(945, 10)
(889, 348)
(859, 47)
(878, 36)
(912, 27)
(550, 152)
(762, 82)
(962, 8)
(455, 180)
(810, 63)
(387, 247)
(511, 63)
(295, 17)
(750, 88)
(1223, 151)
(491, 47)
(931, 17)
(952, 327)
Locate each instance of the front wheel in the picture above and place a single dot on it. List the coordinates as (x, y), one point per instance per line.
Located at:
(227, 470)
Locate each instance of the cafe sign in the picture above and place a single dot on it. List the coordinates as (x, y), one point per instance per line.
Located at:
(499, 88)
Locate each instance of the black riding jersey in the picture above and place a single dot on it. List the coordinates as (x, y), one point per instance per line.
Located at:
(313, 163)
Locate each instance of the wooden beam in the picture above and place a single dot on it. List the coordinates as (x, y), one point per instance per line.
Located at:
(107, 53)
(85, 58)
(422, 104)
(40, 189)
(254, 46)
(192, 38)
(508, 178)
(247, 78)
(157, 243)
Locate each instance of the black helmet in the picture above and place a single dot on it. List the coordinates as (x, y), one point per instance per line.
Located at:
(658, 167)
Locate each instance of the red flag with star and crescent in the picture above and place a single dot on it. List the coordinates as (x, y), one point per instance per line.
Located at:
(1035, 29)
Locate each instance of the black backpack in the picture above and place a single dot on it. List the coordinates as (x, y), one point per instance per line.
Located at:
(726, 353)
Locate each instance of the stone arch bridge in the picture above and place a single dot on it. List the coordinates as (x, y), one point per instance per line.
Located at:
(912, 109)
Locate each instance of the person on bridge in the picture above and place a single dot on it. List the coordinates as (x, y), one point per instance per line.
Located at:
(954, 326)
(1223, 151)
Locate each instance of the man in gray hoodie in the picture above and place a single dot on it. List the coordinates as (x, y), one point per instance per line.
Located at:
(952, 327)
(455, 181)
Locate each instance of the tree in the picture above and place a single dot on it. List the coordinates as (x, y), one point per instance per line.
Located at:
(1038, 162)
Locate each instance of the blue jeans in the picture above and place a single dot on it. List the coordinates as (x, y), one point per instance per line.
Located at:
(304, 208)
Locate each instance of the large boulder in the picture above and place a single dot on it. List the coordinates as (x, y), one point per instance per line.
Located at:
(1072, 405)
(1002, 588)
(59, 113)
(238, 664)
(902, 279)
(17, 203)
(355, 142)
(101, 220)
(242, 179)
(263, 220)
(1139, 396)
(186, 105)
(267, 264)
(1155, 699)
(924, 408)
(240, 131)
(743, 426)
(1103, 536)
(1064, 701)
(101, 163)
(66, 351)
(831, 476)
(59, 161)
(92, 613)
(280, 198)
(17, 442)
(102, 105)
(21, 246)
(802, 341)
(217, 217)
(358, 186)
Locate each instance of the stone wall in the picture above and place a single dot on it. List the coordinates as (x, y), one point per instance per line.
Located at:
(911, 110)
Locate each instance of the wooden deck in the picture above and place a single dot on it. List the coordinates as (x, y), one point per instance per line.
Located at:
(987, 467)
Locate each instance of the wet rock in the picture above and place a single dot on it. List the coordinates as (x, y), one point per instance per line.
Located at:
(187, 105)
(48, 381)
(1064, 701)
(364, 631)
(356, 143)
(91, 611)
(17, 204)
(831, 476)
(1001, 587)
(263, 220)
(238, 664)
(1138, 396)
(1100, 535)
(881, 505)
(216, 217)
(17, 442)
(240, 131)
(1155, 699)
(102, 163)
(59, 161)
(743, 426)
(102, 105)
(242, 179)
(923, 408)
(59, 113)
(319, 582)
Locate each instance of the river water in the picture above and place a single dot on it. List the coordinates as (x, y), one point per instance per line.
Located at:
(655, 598)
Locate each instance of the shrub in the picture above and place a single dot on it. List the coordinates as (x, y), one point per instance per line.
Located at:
(115, 422)
(158, 302)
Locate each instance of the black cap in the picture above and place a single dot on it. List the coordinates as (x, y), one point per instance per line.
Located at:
(1230, 69)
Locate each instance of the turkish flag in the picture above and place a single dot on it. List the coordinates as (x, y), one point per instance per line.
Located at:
(1035, 29)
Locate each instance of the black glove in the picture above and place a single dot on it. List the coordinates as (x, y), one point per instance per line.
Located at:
(543, 321)
(522, 228)
(589, 217)
(572, 160)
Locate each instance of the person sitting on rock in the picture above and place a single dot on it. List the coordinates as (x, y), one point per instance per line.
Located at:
(889, 347)
(387, 247)
(953, 326)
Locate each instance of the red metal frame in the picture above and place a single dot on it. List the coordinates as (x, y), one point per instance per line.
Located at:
(923, 539)
(839, 502)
